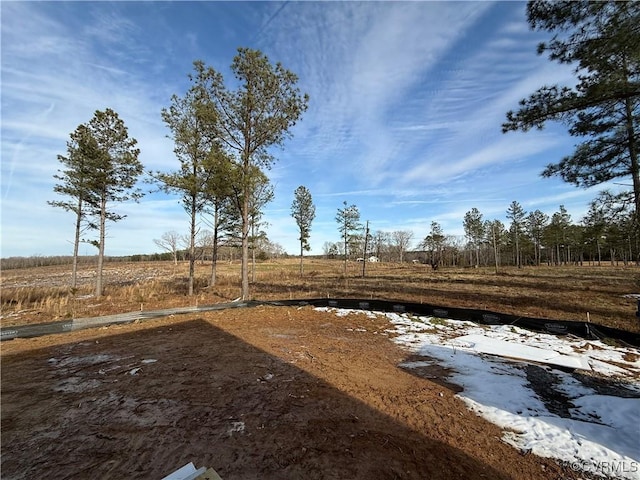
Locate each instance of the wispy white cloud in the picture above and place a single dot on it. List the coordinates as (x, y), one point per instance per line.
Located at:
(53, 80)
(399, 117)
(358, 61)
(407, 99)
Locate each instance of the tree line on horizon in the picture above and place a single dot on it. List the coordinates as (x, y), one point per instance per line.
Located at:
(222, 139)
(531, 238)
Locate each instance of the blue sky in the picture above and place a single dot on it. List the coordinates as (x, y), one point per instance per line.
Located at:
(404, 121)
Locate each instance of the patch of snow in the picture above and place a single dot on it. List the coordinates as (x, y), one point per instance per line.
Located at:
(84, 297)
(506, 348)
(358, 329)
(236, 427)
(76, 384)
(597, 433)
(343, 312)
(82, 361)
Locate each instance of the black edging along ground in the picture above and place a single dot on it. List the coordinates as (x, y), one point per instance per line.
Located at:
(557, 327)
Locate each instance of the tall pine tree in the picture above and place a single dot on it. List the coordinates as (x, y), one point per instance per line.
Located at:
(303, 211)
(602, 40)
(75, 186)
(517, 215)
(474, 230)
(191, 119)
(348, 219)
(113, 173)
(257, 115)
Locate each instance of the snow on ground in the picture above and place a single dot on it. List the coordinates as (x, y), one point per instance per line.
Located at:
(588, 419)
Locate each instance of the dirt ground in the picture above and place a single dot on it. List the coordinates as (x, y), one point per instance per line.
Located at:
(262, 393)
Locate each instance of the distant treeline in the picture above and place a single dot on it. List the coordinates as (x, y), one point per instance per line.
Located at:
(43, 261)
(226, 253)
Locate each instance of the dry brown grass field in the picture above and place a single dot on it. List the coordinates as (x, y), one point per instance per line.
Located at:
(42, 294)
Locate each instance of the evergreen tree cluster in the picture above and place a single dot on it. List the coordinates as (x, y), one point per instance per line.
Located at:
(606, 233)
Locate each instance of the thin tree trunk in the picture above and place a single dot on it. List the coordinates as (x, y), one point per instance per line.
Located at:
(345, 249)
(301, 253)
(364, 256)
(245, 247)
(253, 252)
(517, 250)
(103, 218)
(76, 247)
(192, 246)
(633, 156)
(495, 247)
(214, 250)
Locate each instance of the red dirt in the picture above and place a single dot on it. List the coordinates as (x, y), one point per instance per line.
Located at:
(269, 392)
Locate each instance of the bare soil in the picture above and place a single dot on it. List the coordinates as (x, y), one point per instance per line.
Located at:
(268, 392)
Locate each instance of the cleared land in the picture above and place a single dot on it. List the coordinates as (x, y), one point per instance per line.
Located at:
(563, 293)
(267, 392)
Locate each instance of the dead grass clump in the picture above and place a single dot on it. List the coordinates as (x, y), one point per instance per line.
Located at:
(30, 295)
(145, 291)
(53, 303)
(225, 280)
(45, 303)
(15, 299)
(282, 275)
(224, 290)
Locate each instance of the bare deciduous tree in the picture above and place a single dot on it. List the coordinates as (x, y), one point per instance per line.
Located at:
(169, 241)
(401, 240)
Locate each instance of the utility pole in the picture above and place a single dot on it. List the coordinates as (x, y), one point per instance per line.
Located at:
(366, 243)
(495, 245)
